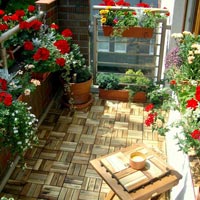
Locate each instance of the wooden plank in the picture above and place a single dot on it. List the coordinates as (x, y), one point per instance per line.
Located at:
(116, 162)
(110, 195)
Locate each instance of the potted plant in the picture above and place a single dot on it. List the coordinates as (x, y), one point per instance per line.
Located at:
(131, 86)
(76, 79)
(46, 49)
(110, 88)
(17, 124)
(138, 23)
(182, 76)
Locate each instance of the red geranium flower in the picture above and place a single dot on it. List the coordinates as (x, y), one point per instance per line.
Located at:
(3, 27)
(122, 3)
(192, 103)
(31, 8)
(196, 134)
(149, 107)
(14, 17)
(197, 93)
(35, 24)
(108, 3)
(20, 13)
(6, 98)
(134, 13)
(150, 119)
(60, 61)
(143, 5)
(41, 54)
(6, 18)
(173, 82)
(24, 25)
(63, 46)
(67, 33)
(28, 45)
(3, 84)
(2, 12)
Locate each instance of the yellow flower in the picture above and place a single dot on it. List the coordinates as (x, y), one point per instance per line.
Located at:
(103, 12)
(103, 20)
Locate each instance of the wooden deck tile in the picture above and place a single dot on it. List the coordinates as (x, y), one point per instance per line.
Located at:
(72, 181)
(121, 125)
(50, 192)
(31, 190)
(68, 193)
(58, 167)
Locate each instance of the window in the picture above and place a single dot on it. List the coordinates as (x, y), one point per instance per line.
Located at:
(120, 45)
(103, 44)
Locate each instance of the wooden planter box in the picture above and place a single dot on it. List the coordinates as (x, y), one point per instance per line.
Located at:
(122, 95)
(135, 32)
(43, 94)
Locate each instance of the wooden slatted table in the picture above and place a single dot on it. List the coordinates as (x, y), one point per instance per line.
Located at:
(129, 184)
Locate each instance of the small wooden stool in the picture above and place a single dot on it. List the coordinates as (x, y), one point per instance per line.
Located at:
(150, 190)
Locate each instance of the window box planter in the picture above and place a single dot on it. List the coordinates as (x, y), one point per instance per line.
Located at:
(135, 32)
(122, 95)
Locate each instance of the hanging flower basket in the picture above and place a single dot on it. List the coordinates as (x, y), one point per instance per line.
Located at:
(135, 32)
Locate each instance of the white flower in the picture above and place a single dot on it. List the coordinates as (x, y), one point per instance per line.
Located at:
(20, 72)
(35, 82)
(194, 82)
(29, 67)
(177, 35)
(27, 92)
(187, 33)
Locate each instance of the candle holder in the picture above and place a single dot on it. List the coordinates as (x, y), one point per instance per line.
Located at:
(137, 160)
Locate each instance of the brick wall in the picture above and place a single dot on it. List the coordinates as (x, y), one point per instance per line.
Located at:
(69, 14)
(50, 8)
(74, 14)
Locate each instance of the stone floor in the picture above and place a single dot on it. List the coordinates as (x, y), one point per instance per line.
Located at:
(58, 166)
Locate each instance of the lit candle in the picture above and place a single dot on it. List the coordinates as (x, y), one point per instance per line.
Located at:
(137, 159)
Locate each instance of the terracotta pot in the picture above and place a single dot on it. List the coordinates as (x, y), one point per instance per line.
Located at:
(80, 95)
(135, 32)
(122, 95)
(140, 97)
(41, 76)
(119, 95)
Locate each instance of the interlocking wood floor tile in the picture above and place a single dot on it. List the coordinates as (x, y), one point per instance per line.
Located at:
(84, 194)
(50, 192)
(121, 125)
(87, 139)
(72, 181)
(58, 166)
(31, 190)
(100, 150)
(68, 193)
(37, 177)
(49, 154)
(68, 146)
